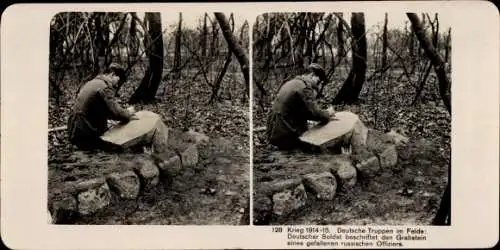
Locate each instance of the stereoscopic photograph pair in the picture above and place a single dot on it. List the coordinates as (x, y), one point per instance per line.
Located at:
(168, 118)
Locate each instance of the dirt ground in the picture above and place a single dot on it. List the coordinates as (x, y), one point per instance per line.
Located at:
(215, 192)
(408, 194)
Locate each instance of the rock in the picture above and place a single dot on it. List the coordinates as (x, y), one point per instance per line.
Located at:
(389, 157)
(169, 163)
(359, 135)
(347, 175)
(125, 184)
(288, 201)
(361, 153)
(323, 185)
(63, 208)
(397, 138)
(138, 132)
(189, 157)
(80, 186)
(333, 133)
(339, 161)
(269, 188)
(149, 173)
(196, 137)
(368, 167)
(172, 166)
(94, 199)
(159, 141)
(262, 210)
(376, 142)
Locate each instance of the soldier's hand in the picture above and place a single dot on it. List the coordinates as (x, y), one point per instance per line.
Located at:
(331, 113)
(131, 109)
(333, 117)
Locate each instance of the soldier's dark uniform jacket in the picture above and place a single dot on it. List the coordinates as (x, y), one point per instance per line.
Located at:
(93, 107)
(293, 106)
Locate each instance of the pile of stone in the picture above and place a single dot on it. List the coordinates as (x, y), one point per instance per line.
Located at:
(172, 151)
(370, 152)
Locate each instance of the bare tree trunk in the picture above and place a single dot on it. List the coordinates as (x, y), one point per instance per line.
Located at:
(434, 30)
(443, 214)
(411, 41)
(204, 37)
(233, 45)
(106, 31)
(116, 38)
(323, 53)
(435, 38)
(243, 29)
(133, 36)
(231, 22)
(321, 39)
(177, 52)
(55, 90)
(447, 46)
(218, 81)
(436, 33)
(222, 73)
(340, 38)
(214, 45)
(422, 84)
(384, 44)
(268, 46)
(349, 93)
(299, 48)
(54, 45)
(310, 33)
(437, 62)
(149, 85)
(98, 42)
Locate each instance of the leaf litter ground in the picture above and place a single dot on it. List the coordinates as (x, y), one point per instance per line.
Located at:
(408, 194)
(224, 162)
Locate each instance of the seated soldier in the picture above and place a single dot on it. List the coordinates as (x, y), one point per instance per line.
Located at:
(94, 105)
(294, 106)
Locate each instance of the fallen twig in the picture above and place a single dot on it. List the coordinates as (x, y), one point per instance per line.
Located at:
(58, 129)
(259, 129)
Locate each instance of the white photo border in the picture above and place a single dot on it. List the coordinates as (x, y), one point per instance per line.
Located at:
(24, 116)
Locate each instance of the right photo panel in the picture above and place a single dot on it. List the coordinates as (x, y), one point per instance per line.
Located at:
(351, 118)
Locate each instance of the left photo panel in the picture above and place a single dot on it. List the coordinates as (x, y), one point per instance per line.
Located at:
(148, 119)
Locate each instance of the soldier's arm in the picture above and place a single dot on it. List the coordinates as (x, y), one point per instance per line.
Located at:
(117, 112)
(315, 113)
